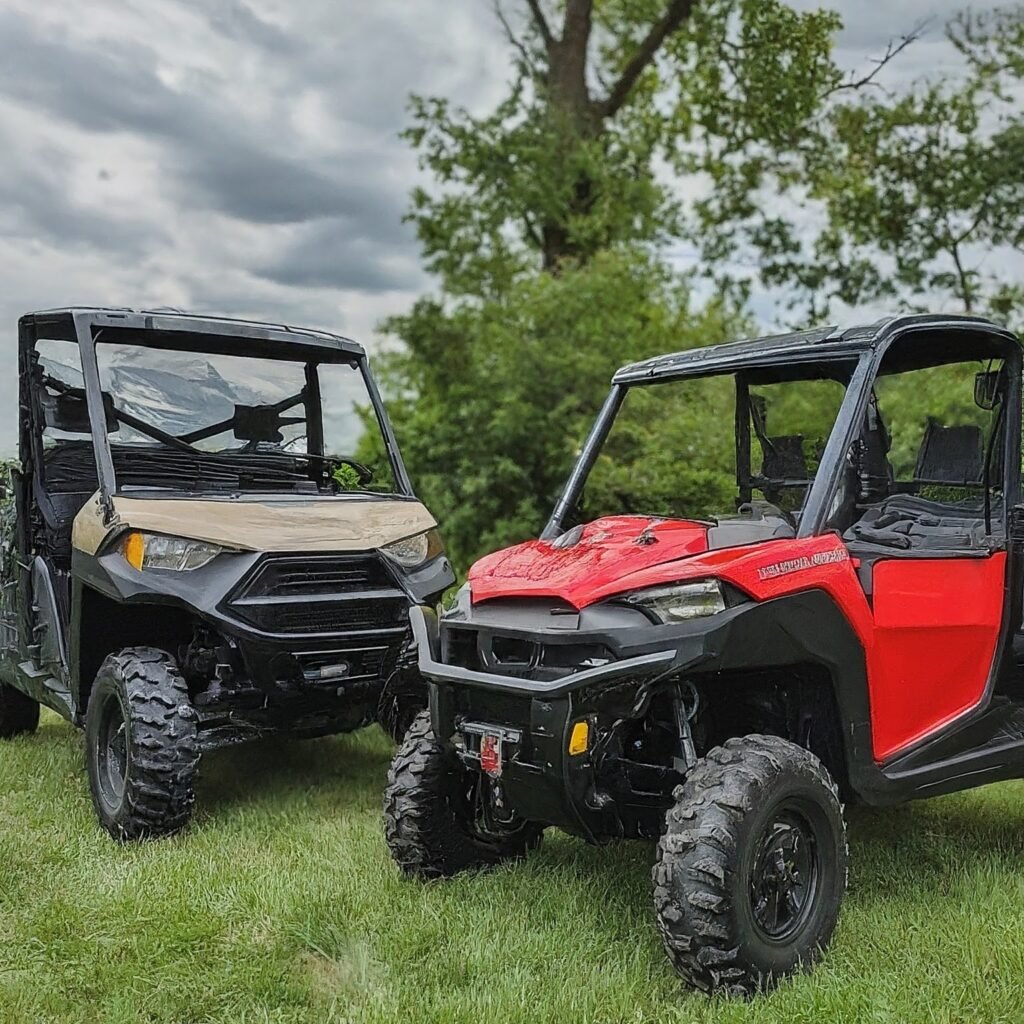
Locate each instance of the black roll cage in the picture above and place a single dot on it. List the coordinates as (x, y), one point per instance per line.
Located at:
(866, 347)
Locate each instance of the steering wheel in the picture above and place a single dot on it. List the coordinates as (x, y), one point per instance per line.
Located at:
(770, 508)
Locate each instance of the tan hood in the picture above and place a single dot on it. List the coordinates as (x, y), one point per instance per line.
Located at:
(314, 524)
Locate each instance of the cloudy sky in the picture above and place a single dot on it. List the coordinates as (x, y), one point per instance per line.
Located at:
(242, 156)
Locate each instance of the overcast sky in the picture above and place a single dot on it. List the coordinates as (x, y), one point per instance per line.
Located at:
(242, 156)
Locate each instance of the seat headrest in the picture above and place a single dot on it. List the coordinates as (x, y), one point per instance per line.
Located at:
(784, 458)
(950, 455)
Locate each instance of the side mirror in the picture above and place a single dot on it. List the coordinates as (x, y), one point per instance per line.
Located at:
(987, 389)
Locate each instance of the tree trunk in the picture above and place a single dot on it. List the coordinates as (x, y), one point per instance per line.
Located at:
(575, 116)
(572, 116)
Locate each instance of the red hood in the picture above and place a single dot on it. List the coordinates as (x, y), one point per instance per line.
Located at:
(609, 550)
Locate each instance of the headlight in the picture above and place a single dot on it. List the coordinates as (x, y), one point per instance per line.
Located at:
(681, 601)
(157, 551)
(413, 551)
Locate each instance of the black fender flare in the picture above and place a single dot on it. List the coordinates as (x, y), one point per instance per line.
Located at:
(808, 627)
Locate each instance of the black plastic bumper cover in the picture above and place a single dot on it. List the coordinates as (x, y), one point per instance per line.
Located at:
(426, 634)
(544, 782)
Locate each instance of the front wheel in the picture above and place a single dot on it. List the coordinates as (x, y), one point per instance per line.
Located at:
(751, 868)
(433, 819)
(18, 713)
(140, 742)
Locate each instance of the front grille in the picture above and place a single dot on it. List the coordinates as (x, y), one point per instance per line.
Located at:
(327, 616)
(316, 575)
(320, 595)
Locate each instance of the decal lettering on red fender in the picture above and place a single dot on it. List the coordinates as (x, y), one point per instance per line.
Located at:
(770, 572)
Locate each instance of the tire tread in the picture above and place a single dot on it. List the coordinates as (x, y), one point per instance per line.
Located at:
(422, 829)
(159, 793)
(696, 857)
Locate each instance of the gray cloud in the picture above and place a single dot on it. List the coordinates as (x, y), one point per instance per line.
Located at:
(237, 20)
(220, 160)
(329, 256)
(35, 201)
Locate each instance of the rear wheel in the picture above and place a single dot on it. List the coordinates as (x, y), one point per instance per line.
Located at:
(18, 713)
(140, 741)
(751, 868)
(434, 820)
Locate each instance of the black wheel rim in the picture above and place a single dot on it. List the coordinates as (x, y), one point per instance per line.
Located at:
(111, 752)
(785, 878)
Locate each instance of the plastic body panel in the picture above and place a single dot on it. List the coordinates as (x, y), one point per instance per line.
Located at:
(929, 641)
(937, 625)
(608, 549)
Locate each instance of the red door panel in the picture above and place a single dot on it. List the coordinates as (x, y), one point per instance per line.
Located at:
(937, 622)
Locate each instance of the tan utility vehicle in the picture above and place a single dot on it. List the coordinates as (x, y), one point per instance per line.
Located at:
(193, 557)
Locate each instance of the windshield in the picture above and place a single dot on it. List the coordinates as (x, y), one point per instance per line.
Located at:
(184, 393)
(212, 420)
(706, 447)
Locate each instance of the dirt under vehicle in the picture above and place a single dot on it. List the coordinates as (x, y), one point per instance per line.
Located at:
(850, 630)
(192, 557)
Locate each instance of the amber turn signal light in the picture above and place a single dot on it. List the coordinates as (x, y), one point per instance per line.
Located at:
(133, 547)
(579, 739)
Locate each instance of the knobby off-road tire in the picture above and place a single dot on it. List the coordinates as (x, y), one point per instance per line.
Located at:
(427, 821)
(140, 742)
(18, 713)
(751, 868)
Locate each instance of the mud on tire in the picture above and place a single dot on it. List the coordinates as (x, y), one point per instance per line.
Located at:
(18, 713)
(427, 823)
(751, 868)
(140, 741)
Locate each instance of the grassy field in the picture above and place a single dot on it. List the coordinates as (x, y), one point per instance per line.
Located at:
(280, 904)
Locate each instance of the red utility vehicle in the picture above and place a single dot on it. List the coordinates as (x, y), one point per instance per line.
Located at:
(846, 631)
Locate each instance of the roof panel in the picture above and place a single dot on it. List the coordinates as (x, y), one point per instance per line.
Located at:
(817, 343)
(171, 321)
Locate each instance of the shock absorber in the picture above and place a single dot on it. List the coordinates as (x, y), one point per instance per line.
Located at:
(685, 706)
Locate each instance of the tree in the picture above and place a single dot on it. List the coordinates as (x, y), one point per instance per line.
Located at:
(566, 165)
(913, 199)
(544, 225)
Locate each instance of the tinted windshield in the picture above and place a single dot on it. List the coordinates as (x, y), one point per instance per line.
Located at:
(185, 393)
(182, 392)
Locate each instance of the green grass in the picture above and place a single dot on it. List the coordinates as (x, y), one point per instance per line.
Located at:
(281, 904)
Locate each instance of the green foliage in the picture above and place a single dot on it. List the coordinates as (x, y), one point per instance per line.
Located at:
(562, 170)
(913, 199)
(346, 477)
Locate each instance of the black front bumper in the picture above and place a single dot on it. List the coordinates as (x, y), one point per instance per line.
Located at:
(300, 639)
(540, 779)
